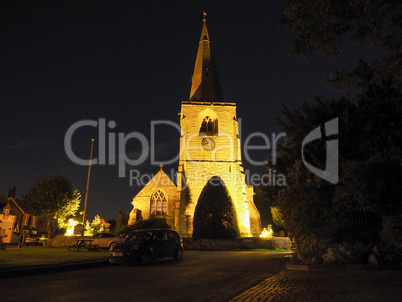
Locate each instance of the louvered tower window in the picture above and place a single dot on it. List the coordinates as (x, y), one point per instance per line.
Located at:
(209, 126)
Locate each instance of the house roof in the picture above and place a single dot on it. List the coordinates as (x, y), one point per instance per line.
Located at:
(12, 200)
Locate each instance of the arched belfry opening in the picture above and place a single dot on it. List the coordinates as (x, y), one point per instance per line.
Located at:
(208, 123)
(215, 214)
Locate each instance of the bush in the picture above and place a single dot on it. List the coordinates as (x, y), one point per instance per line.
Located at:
(337, 255)
(215, 216)
(237, 244)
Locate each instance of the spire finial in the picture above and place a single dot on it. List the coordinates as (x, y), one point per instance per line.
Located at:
(161, 166)
(204, 16)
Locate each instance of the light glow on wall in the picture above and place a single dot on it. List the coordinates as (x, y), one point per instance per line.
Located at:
(267, 232)
(70, 227)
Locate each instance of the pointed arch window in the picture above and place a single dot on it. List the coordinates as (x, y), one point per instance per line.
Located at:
(209, 126)
(159, 203)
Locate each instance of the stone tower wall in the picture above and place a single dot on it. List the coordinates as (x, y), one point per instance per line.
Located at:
(199, 165)
(142, 200)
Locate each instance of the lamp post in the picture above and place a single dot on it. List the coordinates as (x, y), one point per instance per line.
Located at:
(86, 193)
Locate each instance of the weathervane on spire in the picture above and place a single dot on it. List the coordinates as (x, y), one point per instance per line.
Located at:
(204, 18)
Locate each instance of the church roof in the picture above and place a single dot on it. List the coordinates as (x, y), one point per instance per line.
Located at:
(160, 180)
(205, 85)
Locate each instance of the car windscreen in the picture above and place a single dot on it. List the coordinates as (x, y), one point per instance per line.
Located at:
(139, 236)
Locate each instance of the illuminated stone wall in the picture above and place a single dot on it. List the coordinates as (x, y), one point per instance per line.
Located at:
(198, 163)
(7, 224)
(255, 219)
(142, 200)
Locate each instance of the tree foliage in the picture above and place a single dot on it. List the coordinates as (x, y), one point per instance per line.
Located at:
(364, 207)
(359, 216)
(215, 215)
(97, 226)
(327, 26)
(55, 197)
(277, 217)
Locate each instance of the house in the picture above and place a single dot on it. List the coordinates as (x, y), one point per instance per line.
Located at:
(14, 221)
(11, 217)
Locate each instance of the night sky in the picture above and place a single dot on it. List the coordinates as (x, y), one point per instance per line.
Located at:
(131, 62)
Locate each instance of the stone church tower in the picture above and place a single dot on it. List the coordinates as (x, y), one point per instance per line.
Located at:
(209, 146)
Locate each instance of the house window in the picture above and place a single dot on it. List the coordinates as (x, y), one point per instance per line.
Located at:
(25, 219)
(209, 126)
(159, 203)
(6, 212)
(34, 219)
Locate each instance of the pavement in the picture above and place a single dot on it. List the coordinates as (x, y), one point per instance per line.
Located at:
(288, 285)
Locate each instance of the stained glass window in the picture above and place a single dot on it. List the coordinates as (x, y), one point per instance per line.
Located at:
(159, 203)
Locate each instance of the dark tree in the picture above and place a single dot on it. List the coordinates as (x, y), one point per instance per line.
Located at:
(363, 208)
(54, 197)
(112, 226)
(215, 215)
(327, 26)
(359, 216)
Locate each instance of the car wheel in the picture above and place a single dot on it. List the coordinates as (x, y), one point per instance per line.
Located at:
(112, 245)
(145, 258)
(178, 254)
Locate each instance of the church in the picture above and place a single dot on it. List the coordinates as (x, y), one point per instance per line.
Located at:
(209, 147)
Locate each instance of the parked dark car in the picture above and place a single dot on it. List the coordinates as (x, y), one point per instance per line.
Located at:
(106, 240)
(36, 239)
(143, 246)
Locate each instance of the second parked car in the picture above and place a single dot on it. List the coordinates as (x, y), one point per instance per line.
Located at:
(106, 240)
(36, 239)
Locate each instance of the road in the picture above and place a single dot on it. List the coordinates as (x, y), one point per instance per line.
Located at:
(200, 276)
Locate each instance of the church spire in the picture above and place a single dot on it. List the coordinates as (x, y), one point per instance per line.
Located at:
(205, 82)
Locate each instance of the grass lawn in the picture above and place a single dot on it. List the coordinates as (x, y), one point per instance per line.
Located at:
(265, 250)
(32, 256)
